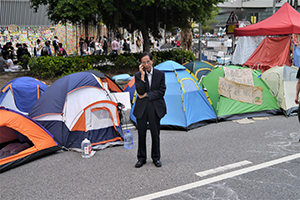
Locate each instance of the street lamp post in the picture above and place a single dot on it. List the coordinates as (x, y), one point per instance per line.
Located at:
(200, 54)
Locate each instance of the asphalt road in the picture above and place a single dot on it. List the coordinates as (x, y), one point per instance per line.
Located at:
(110, 173)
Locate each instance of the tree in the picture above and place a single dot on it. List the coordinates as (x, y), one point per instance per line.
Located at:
(83, 11)
(206, 26)
(144, 15)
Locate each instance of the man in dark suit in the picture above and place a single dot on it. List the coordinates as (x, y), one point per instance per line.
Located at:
(150, 107)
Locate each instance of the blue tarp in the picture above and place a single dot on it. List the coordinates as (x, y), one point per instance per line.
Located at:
(297, 57)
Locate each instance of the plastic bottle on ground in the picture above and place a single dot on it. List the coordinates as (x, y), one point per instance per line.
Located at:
(128, 139)
(86, 148)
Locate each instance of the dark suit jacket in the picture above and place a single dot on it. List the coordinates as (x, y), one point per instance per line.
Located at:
(155, 93)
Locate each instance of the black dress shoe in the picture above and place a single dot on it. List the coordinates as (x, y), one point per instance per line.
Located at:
(157, 163)
(140, 164)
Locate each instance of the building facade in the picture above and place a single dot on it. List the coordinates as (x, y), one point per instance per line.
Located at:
(18, 12)
(249, 10)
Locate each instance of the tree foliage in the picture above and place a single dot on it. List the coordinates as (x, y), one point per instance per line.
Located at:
(145, 15)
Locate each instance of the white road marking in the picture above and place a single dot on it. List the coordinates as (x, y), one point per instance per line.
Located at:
(223, 168)
(217, 178)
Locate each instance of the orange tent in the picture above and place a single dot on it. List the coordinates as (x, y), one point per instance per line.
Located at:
(22, 139)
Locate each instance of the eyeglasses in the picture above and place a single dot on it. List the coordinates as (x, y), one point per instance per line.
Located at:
(147, 62)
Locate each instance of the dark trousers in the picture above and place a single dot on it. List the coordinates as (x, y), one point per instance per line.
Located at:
(154, 123)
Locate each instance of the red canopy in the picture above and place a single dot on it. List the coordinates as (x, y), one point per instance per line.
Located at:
(272, 51)
(285, 21)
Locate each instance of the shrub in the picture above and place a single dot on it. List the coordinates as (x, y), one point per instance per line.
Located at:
(50, 67)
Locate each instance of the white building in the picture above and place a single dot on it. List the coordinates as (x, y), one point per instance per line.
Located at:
(248, 10)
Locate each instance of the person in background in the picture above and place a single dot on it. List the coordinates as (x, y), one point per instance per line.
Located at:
(92, 46)
(84, 48)
(10, 50)
(120, 46)
(114, 47)
(178, 43)
(88, 45)
(98, 47)
(104, 45)
(38, 48)
(125, 46)
(55, 45)
(229, 46)
(46, 50)
(3, 63)
(138, 43)
(222, 43)
(20, 52)
(25, 50)
(81, 40)
(128, 45)
(62, 52)
(150, 107)
(10, 64)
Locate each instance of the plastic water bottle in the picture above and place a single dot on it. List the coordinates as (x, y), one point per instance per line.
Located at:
(128, 139)
(86, 148)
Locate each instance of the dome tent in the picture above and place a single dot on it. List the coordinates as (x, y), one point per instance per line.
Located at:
(21, 93)
(280, 81)
(199, 68)
(187, 104)
(22, 139)
(239, 100)
(75, 107)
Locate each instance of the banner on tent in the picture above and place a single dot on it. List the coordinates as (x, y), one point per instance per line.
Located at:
(242, 76)
(240, 92)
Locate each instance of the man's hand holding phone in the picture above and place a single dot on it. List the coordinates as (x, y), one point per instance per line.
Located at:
(142, 70)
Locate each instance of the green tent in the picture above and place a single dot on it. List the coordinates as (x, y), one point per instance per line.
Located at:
(199, 68)
(244, 93)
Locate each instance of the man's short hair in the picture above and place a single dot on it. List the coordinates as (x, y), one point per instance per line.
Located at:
(146, 54)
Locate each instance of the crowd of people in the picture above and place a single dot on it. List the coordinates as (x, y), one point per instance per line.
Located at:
(102, 46)
(11, 56)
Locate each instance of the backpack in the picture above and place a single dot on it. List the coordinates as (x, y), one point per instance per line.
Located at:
(44, 51)
(54, 43)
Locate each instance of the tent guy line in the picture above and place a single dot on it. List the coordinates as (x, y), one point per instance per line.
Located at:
(217, 178)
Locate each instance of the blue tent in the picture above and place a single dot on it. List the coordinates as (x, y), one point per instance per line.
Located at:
(187, 104)
(130, 87)
(76, 107)
(21, 93)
